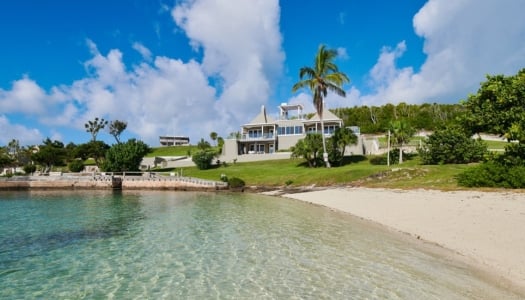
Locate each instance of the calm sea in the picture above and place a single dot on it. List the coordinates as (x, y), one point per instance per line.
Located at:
(188, 245)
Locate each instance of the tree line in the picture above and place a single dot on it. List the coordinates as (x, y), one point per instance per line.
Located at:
(121, 156)
(377, 119)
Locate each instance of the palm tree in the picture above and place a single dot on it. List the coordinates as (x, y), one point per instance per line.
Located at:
(213, 136)
(324, 76)
(402, 132)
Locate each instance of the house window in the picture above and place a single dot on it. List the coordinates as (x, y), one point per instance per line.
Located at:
(254, 133)
(330, 129)
(298, 129)
(260, 148)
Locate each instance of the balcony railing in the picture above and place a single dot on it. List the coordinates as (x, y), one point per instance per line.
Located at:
(258, 137)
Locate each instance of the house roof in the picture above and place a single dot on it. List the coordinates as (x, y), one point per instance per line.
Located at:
(327, 116)
(261, 118)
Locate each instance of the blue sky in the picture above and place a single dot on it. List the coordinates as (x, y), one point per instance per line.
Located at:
(192, 67)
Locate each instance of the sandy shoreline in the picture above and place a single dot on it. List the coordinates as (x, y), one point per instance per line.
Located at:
(486, 228)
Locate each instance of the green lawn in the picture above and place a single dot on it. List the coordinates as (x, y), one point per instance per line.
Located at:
(276, 173)
(496, 145)
(171, 151)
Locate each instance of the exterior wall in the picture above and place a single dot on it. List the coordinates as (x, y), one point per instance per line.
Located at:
(230, 148)
(288, 141)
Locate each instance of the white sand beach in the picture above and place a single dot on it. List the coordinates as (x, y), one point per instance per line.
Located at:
(486, 229)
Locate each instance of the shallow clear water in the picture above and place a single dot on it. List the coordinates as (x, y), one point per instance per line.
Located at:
(71, 244)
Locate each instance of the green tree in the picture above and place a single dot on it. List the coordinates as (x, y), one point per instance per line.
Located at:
(498, 107)
(401, 133)
(213, 136)
(125, 156)
(341, 138)
(96, 150)
(451, 145)
(203, 145)
(14, 151)
(310, 148)
(5, 159)
(93, 127)
(324, 76)
(116, 128)
(50, 153)
(203, 158)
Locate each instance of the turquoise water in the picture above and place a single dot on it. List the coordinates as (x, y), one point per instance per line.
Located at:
(185, 245)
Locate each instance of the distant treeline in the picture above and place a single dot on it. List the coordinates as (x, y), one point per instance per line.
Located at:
(376, 119)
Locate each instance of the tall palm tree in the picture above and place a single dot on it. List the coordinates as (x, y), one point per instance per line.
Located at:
(324, 76)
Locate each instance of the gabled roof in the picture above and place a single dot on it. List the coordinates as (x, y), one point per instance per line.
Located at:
(327, 116)
(262, 118)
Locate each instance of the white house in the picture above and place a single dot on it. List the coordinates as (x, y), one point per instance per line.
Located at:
(265, 135)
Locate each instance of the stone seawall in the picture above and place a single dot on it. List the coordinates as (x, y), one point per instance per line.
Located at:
(106, 182)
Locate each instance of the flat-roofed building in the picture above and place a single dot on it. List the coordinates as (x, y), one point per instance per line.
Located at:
(174, 140)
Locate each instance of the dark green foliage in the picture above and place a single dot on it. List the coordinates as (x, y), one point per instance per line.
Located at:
(498, 107)
(235, 182)
(493, 174)
(311, 149)
(451, 145)
(5, 159)
(203, 158)
(96, 150)
(29, 169)
(76, 165)
(375, 119)
(125, 156)
(51, 153)
(341, 138)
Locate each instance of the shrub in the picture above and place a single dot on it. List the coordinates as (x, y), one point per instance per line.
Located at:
(224, 178)
(451, 146)
(236, 182)
(76, 165)
(493, 174)
(29, 169)
(203, 158)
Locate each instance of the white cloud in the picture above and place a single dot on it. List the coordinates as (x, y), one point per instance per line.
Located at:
(24, 135)
(145, 52)
(464, 40)
(342, 53)
(241, 45)
(25, 96)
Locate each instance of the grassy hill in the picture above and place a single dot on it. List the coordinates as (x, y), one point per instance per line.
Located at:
(171, 151)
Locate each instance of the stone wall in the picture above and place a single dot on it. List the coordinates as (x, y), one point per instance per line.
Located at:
(105, 182)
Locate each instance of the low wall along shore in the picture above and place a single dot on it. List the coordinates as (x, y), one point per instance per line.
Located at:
(109, 181)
